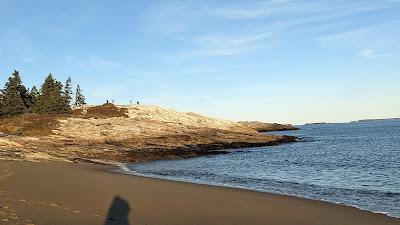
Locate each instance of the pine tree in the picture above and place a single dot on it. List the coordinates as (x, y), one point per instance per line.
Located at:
(79, 97)
(51, 99)
(12, 100)
(25, 95)
(67, 94)
(16, 99)
(33, 96)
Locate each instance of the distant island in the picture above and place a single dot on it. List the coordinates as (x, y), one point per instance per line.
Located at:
(318, 123)
(355, 121)
(372, 120)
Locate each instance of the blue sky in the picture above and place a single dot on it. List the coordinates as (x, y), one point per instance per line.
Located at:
(291, 61)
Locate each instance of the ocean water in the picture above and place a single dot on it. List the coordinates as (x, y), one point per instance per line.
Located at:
(355, 164)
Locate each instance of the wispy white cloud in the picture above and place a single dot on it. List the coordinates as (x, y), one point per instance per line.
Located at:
(140, 75)
(104, 63)
(97, 63)
(250, 12)
(171, 17)
(288, 9)
(233, 44)
(94, 63)
(225, 51)
(223, 41)
(182, 20)
(371, 39)
(209, 69)
(371, 54)
(348, 36)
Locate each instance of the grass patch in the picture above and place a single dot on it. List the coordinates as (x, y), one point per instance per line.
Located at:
(30, 124)
(107, 110)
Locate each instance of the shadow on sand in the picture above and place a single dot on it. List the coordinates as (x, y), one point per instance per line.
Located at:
(118, 212)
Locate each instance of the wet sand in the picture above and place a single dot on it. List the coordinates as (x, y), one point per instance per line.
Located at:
(61, 193)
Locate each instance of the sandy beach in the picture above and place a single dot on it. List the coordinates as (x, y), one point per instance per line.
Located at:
(71, 193)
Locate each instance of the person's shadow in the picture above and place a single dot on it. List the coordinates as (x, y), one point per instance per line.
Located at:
(118, 212)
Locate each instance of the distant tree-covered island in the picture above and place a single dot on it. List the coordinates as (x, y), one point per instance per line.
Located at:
(51, 98)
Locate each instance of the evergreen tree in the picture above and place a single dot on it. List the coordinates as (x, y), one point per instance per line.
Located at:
(67, 94)
(12, 99)
(33, 96)
(51, 98)
(16, 99)
(79, 98)
(25, 95)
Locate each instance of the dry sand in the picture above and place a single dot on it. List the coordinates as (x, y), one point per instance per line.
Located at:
(65, 193)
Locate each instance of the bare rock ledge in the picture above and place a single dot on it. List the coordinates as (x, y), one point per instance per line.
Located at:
(142, 133)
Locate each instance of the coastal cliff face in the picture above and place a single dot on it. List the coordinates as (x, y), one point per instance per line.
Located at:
(112, 134)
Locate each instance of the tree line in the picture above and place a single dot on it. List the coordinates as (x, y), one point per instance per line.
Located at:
(52, 98)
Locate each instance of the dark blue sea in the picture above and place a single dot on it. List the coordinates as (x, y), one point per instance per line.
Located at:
(355, 164)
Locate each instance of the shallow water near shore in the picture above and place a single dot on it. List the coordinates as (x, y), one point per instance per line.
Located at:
(355, 164)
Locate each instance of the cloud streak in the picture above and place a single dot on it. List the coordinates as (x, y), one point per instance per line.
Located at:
(97, 63)
(252, 23)
(288, 9)
(372, 39)
(371, 54)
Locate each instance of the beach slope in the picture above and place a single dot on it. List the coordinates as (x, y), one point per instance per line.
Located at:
(67, 193)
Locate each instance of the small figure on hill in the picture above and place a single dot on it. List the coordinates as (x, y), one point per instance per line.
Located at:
(137, 102)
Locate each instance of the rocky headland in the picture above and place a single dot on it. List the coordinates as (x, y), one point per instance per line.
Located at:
(267, 127)
(120, 134)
